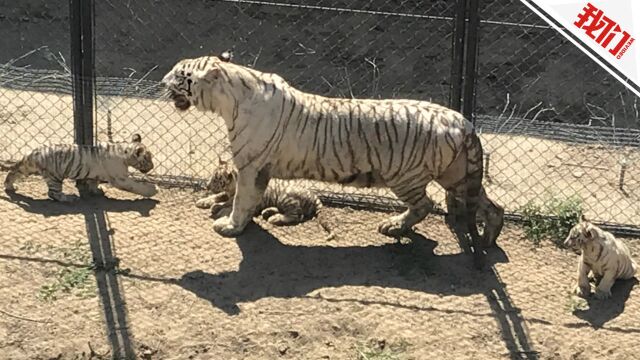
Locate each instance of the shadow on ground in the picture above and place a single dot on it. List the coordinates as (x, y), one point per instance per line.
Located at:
(602, 311)
(48, 208)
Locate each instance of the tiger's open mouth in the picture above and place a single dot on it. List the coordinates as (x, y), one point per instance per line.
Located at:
(180, 101)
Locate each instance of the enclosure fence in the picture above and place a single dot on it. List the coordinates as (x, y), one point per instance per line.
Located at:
(553, 124)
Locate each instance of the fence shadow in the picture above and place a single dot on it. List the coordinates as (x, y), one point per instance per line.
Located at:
(113, 304)
(602, 311)
(272, 269)
(49, 208)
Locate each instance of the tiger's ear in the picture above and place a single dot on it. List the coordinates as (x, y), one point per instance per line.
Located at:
(212, 73)
(589, 232)
(226, 56)
(221, 162)
(136, 138)
(139, 151)
(583, 218)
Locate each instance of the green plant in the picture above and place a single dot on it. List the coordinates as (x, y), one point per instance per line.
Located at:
(68, 280)
(576, 303)
(379, 350)
(72, 279)
(552, 219)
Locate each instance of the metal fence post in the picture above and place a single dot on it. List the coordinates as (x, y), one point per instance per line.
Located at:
(82, 68)
(457, 66)
(471, 56)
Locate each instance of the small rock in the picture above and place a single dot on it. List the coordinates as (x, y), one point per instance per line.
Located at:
(282, 349)
(578, 174)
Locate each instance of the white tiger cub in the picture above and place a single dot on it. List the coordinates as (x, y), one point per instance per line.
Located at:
(280, 205)
(605, 256)
(88, 165)
(278, 131)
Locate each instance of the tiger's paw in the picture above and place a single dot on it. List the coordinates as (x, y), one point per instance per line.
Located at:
(224, 227)
(582, 290)
(219, 210)
(269, 212)
(149, 190)
(602, 294)
(205, 203)
(393, 227)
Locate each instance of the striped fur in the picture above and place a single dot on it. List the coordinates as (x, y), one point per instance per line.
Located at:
(88, 165)
(280, 204)
(277, 131)
(605, 256)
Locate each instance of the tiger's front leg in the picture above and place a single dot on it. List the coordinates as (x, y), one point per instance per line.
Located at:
(249, 190)
(89, 187)
(413, 193)
(221, 209)
(209, 201)
(130, 185)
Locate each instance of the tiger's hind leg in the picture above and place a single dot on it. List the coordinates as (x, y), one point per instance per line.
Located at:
(55, 190)
(488, 212)
(463, 201)
(413, 193)
(269, 212)
(291, 215)
(88, 188)
(207, 202)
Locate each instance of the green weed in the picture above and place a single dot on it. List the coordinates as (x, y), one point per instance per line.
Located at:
(552, 219)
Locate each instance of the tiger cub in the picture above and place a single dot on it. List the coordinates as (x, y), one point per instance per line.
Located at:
(604, 255)
(280, 205)
(88, 165)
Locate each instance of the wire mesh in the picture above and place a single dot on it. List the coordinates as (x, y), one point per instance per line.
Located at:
(126, 277)
(553, 122)
(332, 48)
(35, 81)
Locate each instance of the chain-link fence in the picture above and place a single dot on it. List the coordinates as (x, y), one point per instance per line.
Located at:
(553, 124)
(35, 81)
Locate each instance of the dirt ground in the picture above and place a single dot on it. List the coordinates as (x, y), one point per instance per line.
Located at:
(164, 286)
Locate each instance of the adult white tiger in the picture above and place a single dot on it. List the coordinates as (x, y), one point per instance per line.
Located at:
(278, 131)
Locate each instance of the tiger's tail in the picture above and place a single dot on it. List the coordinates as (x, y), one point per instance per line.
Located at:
(8, 165)
(320, 217)
(474, 173)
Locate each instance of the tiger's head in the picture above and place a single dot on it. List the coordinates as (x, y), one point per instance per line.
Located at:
(582, 234)
(223, 179)
(189, 78)
(138, 156)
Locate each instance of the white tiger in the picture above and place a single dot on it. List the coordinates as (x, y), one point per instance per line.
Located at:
(604, 255)
(88, 165)
(278, 131)
(280, 205)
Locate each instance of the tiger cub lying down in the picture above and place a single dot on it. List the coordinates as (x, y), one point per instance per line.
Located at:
(88, 165)
(280, 205)
(604, 255)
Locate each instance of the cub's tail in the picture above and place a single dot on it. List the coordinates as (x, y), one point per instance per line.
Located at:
(7, 165)
(321, 218)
